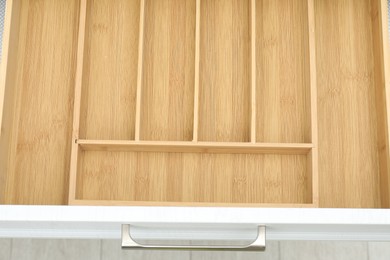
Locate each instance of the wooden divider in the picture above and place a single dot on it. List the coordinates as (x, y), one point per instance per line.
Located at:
(313, 185)
(253, 72)
(111, 202)
(77, 101)
(140, 71)
(382, 89)
(198, 147)
(196, 82)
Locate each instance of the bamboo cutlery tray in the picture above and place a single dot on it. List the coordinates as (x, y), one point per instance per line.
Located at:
(195, 102)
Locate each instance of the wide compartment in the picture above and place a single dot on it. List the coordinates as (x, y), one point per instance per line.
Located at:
(38, 101)
(352, 117)
(225, 71)
(191, 178)
(110, 68)
(168, 70)
(282, 72)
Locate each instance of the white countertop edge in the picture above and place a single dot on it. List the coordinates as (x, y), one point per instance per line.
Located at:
(201, 215)
(194, 223)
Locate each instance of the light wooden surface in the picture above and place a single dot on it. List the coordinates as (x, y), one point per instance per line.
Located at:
(174, 177)
(196, 80)
(110, 72)
(140, 70)
(312, 110)
(253, 71)
(7, 94)
(196, 102)
(224, 89)
(347, 118)
(385, 153)
(78, 86)
(168, 70)
(45, 72)
(199, 147)
(83, 202)
(382, 88)
(282, 71)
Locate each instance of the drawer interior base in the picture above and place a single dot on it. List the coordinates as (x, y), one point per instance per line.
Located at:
(196, 102)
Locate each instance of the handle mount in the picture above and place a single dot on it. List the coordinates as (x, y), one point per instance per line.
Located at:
(257, 245)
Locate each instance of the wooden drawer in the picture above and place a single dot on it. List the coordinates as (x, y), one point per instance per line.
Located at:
(196, 103)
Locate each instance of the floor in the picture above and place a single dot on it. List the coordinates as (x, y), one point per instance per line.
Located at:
(44, 249)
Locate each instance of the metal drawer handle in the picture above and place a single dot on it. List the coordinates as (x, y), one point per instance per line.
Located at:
(257, 245)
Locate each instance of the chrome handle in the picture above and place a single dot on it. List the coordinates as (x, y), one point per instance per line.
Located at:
(257, 245)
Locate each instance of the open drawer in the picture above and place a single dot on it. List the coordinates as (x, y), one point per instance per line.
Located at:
(246, 103)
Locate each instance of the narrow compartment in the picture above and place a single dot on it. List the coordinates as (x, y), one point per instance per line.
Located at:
(167, 106)
(348, 123)
(110, 70)
(225, 66)
(138, 177)
(283, 71)
(39, 90)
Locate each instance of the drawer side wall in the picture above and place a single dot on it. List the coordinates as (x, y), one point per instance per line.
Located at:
(39, 150)
(7, 93)
(349, 170)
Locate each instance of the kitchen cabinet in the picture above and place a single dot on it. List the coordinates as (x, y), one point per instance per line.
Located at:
(195, 115)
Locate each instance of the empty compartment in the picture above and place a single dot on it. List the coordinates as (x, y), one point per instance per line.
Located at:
(349, 85)
(167, 105)
(224, 72)
(110, 69)
(37, 117)
(140, 177)
(282, 71)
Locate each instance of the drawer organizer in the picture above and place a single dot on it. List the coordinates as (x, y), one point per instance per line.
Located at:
(281, 103)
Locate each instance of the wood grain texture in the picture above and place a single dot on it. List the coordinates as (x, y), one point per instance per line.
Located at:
(347, 118)
(198, 147)
(312, 111)
(168, 70)
(140, 67)
(382, 89)
(193, 177)
(224, 90)
(173, 95)
(77, 99)
(82, 202)
(110, 69)
(283, 89)
(40, 152)
(196, 81)
(253, 106)
(7, 92)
